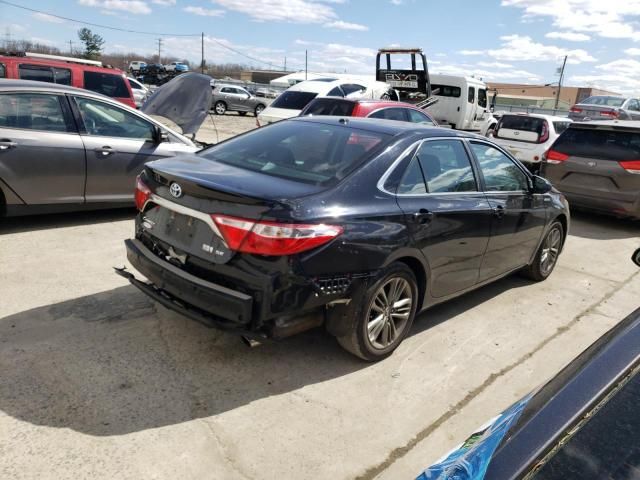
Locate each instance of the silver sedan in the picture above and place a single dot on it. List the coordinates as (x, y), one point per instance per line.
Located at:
(235, 99)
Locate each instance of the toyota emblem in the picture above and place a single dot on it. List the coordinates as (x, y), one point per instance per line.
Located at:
(175, 190)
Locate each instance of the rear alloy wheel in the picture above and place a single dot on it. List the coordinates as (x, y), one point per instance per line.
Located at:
(547, 255)
(258, 110)
(220, 108)
(385, 314)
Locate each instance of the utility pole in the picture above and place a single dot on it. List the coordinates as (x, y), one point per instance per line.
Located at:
(159, 49)
(285, 63)
(202, 59)
(70, 47)
(305, 64)
(560, 82)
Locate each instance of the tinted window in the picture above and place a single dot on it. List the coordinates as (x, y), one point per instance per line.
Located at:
(398, 114)
(352, 88)
(472, 95)
(522, 123)
(330, 106)
(601, 144)
(633, 105)
(482, 97)
(38, 73)
(3, 71)
(561, 126)
(303, 151)
(606, 101)
(446, 166)
(108, 121)
(418, 117)
(412, 182)
(106, 83)
(446, 90)
(293, 100)
(225, 90)
(33, 111)
(335, 92)
(607, 446)
(499, 171)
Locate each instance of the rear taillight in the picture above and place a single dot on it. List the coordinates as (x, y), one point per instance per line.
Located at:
(610, 113)
(544, 134)
(271, 238)
(142, 193)
(575, 109)
(553, 156)
(631, 166)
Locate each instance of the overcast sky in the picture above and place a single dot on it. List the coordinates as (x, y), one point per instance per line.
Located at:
(508, 40)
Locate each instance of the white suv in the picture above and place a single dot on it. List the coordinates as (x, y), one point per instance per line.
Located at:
(527, 136)
(136, 66)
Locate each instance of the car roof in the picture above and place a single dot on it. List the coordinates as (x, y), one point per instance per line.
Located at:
(217, 85)
(10, 84)
(389, 127)
(319, 87)
(61, 64)
(627, 124)
(553, 118)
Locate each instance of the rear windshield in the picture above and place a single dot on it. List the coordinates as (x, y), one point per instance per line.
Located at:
(308, 152)
(329, 106)
(106, 83)
(599, 143)
(606, 101)
(445, 90)
(561, 126)
(522, 123)
(293, 100)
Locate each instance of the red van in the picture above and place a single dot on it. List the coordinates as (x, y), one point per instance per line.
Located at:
(77, 72)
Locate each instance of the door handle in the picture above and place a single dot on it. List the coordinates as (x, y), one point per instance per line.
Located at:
(6, 144)
(105, 151)
(498, 211)
(422, 216)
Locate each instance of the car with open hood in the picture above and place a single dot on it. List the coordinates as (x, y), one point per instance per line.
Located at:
(62, 148)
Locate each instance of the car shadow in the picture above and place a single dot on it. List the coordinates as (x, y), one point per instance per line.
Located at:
(116, 362)
(32, 223)
(597, 226)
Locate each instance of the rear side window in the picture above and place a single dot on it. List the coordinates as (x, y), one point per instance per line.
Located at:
(308, 152)
(330, 106)
(482, 97)
(293, 100)
(413, 182)
(419, 117)
(472, 95)
(3, 71)
(603, 144)
(446, 90)
(446, 167)
(398, 114)
(43, 73)
(34, 111)
(106, 83)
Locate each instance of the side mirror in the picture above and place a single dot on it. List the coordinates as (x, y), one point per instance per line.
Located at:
(159, 135)
(541, 185)
(636, 257)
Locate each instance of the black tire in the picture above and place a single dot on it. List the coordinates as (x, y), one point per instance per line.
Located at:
(259, 108)
(242, 114)
(358, 340)
(553, 239)
(220, 108)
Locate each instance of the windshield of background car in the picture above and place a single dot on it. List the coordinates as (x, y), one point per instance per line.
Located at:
(605, 445)
(605, 101)
(329, 106)
(307, 152)
(599, 143)
(522, 123)
(293, 100)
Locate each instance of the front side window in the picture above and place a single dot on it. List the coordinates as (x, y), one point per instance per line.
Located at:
(419, 117)
(446, 167)
(33, 111)
(472, 95)
(482, 97)
(499, 171)
(105, 120)
(106, 83)
(633, 105)
(397, 114)
(446, 90)
(352, 88)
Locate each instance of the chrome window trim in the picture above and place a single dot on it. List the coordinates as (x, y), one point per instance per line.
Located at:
(403, 155)
(190, 212)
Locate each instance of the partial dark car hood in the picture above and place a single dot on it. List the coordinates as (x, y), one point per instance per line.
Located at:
(185, 100)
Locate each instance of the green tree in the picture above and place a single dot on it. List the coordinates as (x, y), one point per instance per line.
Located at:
(92, 43)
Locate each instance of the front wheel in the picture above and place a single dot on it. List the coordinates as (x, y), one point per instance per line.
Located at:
(547, 255)
(385, 314)
(258, 110)
(220, 108)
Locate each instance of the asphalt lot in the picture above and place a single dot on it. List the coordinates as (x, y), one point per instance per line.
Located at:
(99, 382)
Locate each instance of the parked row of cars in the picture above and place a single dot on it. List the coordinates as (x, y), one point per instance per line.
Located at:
(139, 67)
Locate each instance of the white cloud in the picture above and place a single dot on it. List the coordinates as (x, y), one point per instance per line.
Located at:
(294, 11)
(494, 65)
(622, 76)
(203, 12)
(478, 71)
(164, 3)
(396, 2)
(634, 52)
(130, 6)
(47, 18)
(340, 25)
(523, 48)
(604, 18)
(471, 52)
(570, 36)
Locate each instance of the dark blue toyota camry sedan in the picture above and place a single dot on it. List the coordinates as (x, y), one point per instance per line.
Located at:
(354, 224)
